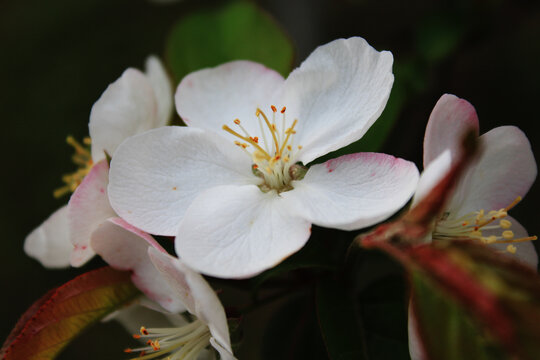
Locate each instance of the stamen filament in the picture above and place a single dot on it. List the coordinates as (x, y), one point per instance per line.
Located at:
(249, 140)
(272, 128)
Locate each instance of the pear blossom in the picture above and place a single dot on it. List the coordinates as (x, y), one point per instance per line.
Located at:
(174, 286)
(134, 103)
(489, 188)
(232, 186)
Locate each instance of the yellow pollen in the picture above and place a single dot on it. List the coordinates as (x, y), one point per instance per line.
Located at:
(143, 330)
(476, 233)
(508, 234)
(511, 249)
(491, 239)
(83, 159)
(505, 224)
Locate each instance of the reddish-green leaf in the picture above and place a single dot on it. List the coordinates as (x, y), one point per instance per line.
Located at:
(63, 313)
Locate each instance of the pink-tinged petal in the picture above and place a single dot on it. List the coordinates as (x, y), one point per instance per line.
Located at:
(49, 243)
(450, 119)
(135, 315)
(525, 251)
(126, 248)
(87, 208)
(337, 94)
(212, 97)
(163, 91)
(127, 107)
(239, 231)
(504, 170)
(353, 191)
(156, 175)
(196, 293)
(432, 175)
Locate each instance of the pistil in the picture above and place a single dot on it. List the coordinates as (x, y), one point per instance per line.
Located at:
(271, 160)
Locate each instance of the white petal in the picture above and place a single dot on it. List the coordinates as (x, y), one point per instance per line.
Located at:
(415, 345)
(156, 175)
(505, 170)
(353, 191)
(432, 174)
(195, 292)
(127, 107)
(126, 248)
(239, 231)
(224, 353)
(135, 315)
(337, 94)
(450, 119)
(213, 97)
(49, 243)
(88, 207)
(526, 253)
(157, 75)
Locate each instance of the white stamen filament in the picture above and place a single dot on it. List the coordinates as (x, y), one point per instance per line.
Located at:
(183, 343)
(471, 226)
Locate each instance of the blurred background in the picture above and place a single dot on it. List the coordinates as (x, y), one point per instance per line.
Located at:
(58, 56)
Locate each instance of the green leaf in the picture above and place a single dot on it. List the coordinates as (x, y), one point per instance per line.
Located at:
(237, 31)
(339, 321)
(57, 318)
(448, 331)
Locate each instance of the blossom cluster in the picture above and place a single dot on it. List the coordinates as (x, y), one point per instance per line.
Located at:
(239, 187)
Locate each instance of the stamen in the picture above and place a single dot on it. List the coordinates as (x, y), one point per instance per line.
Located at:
(511, 249)
(272, 128)
(231, 131)
(273, 108)
(83, 159)
(508, 234)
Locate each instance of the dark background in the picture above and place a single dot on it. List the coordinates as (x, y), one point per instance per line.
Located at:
(58, 56)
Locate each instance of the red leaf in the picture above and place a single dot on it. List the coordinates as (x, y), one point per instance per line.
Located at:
(63, 313)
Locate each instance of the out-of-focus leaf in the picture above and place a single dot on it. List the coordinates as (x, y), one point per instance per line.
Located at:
(237, 31)
(438, 36)
(339, 323)
(315, 255)
(56, 319)
(292, 331)
(447, 330)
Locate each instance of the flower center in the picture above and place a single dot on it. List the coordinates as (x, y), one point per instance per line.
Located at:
(83, 159)
(185, 342)
(474, 225)
(273, 155)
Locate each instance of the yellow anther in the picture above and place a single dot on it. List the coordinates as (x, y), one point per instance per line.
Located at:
(508, 234)
(273, 108)
(237, 121)
(511, 249)
(289, 147)
(505, 224)
(83, 159)
(283, 110)
(143, 330)
(476, 233)
(491, 239)
(299, 147)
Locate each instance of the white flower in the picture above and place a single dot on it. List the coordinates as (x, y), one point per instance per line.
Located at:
(229, 185)
(174, 286)
(491, 186)
(134, 103)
